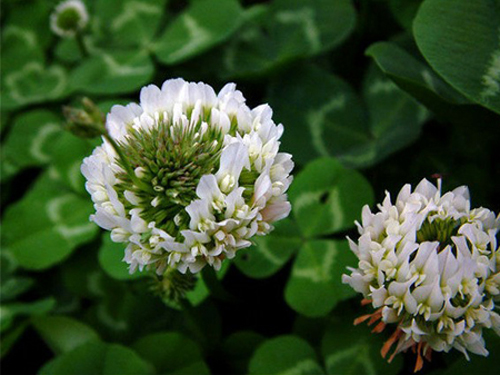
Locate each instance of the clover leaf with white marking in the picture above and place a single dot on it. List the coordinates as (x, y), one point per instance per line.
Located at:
(326, 199)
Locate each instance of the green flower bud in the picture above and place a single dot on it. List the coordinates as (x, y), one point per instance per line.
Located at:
(87, 122)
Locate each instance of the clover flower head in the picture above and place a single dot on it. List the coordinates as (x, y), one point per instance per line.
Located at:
(429, 265)
(207, 176)
(69, 18)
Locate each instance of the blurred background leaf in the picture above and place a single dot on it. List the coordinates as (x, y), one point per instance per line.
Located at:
(170, 353)
(285, 354)
(198, 29)
(112, 73)
(129, 23)
(29, 142)
(63, 334)
(47, 225)
(98, 358)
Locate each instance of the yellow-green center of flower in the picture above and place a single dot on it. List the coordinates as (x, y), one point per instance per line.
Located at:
(170, 159)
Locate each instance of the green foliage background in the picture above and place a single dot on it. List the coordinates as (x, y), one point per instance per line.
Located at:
(372, 93)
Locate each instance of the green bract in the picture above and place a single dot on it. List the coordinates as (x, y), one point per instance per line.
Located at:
(171, 161)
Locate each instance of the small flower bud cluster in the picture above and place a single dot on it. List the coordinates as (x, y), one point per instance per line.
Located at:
(69, 18)
(207, 176)
(87, 122)
(429, 265)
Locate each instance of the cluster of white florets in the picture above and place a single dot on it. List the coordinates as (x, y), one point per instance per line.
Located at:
(68, 18)
(210, 172)
(430, 265)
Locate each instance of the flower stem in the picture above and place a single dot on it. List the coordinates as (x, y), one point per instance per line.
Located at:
(81, 45)
(187, 311)
(214, 285)
(128, 168)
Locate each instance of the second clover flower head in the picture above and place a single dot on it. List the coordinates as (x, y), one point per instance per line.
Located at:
(429, 266)
(207, 176)
(69, 18)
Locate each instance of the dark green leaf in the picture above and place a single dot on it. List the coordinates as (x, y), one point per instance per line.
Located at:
(319, 25)
(33, 83)
(19, 47)
(11, 310)
(10, 337)
(113, 73)
(404, 11)
(270, 252)
(130, 22)
(203, 25)
(310, 329)
(67, 50)
(413, 75)
(98, 358)
(321, 113)
(315, 287)
(327, 198)
(395, 117)
(63, 334)
(285, 354)
(47, 224)
(238, 348)
(14, 286)
(461, 40)
(30, 141)
(67, 156)
(287, 30)
(33, 17)
(121, 310)
(323, 116)
(171, 353)
(419, 80)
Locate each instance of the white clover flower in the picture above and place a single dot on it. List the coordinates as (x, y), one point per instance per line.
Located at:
(68, 18)
(430, 265)
(207, 176)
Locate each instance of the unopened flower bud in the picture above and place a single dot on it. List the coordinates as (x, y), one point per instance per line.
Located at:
(86, 122)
